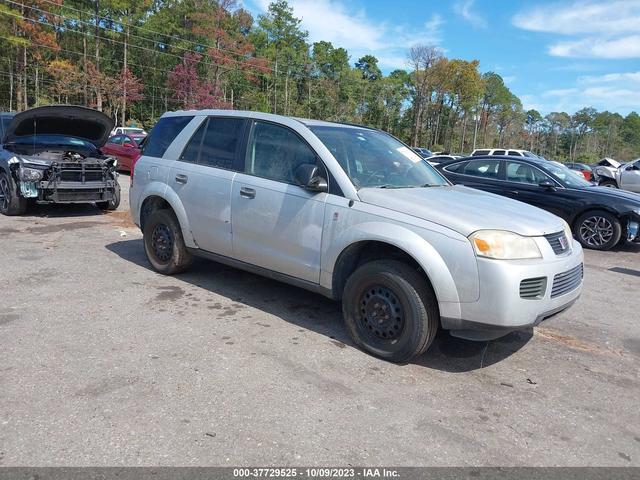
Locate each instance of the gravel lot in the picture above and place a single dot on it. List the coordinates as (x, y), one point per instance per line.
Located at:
(104, 362)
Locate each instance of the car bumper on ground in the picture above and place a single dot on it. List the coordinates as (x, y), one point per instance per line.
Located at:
(516, 295)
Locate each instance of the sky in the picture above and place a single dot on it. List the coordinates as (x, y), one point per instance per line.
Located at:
(554, 55)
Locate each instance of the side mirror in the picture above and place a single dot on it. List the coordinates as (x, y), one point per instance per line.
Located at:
(547, 184)
(307, 176)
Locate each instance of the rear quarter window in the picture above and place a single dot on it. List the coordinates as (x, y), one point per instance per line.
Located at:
(165, 132)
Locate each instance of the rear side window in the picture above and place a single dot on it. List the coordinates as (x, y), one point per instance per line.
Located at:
(481, 152)
(499, 152)
(165, 132)
(221, 141)
(482, 168)
(517, 154)
(117, 140)
(191, 152)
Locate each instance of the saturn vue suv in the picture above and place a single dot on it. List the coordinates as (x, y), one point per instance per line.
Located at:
(354, 214)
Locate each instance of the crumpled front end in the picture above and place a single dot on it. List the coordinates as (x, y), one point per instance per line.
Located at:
(69, 180)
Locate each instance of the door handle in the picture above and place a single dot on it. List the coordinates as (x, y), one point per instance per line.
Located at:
(181, 178)
(247, 192)
(513, 192)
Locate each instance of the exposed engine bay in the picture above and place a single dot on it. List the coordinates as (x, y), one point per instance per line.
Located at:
(52, 155)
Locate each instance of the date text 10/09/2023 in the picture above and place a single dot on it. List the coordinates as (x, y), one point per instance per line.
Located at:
(316, 472)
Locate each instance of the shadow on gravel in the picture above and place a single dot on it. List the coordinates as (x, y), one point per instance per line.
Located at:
(62, 211)
(319, 314)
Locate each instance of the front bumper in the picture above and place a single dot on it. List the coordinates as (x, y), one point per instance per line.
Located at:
(501, 307)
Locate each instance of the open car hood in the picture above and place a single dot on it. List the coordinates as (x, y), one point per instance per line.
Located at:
(80, 122)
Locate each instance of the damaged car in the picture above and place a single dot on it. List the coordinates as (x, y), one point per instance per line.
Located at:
(52, 155)
(614, 174)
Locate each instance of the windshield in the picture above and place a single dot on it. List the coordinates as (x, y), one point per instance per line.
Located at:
(568, 177)
(374, 159)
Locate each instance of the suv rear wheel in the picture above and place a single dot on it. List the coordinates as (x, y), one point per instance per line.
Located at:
(164, 244)
(390, 310)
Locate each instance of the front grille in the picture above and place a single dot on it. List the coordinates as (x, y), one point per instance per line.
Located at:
(567, 281)
(79, 172)
(533, 288)
(559, 242)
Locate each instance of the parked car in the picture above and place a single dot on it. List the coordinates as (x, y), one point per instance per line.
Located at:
(613, 174)
(354, 214)
(52, 155)
(599, 217)
(436, 159)
(126, 148)
(512, 152)
(127, 131)
(423, 152)
(583, 168)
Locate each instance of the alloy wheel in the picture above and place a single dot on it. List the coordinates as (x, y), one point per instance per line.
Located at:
(596, 231)
(5, 193)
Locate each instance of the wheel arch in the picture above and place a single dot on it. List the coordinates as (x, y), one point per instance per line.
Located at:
(167, 200)
(367, 242)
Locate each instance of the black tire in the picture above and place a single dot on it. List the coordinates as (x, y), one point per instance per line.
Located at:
(164, 244)
(11, 203)
(608, 183)
(402, 298)
(598, 230)
(112, 204)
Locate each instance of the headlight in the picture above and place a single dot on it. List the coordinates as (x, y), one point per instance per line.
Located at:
(503, 245)
(568, 233)
(30, 174)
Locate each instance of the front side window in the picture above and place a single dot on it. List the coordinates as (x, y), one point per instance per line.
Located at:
(499, 152)
(275, 152)
(163, 134)
(486, 168)
(524, 173)
(374, 159)
(481, 152)
(569, 178)
(117, 140)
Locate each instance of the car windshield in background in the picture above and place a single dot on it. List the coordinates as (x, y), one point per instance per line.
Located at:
(58, 140)
(374, 159)
(569, 177)
(138, 139)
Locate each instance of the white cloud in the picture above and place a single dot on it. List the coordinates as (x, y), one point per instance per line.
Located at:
(465, 10)
(582, 17)
(622, 47)
(600, 28)
(617, 92)
(334, 21)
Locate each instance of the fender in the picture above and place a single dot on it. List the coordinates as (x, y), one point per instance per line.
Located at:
(162, 190)
(410, 242)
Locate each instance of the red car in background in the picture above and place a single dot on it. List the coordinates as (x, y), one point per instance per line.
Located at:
(126, 148)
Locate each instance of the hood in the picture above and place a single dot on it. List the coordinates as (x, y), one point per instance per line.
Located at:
(609, 162)
(79, 122)
(464, 209)
(614, 193)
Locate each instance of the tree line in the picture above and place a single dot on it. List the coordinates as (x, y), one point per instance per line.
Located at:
(134, 60)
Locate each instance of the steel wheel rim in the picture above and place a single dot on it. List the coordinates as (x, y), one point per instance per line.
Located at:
(381, 314)
(4, 193)
(162, 242)
(596, 231)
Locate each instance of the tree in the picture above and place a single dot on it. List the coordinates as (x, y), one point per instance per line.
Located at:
(190, 92)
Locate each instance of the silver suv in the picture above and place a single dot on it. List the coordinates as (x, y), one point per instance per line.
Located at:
(354, 214)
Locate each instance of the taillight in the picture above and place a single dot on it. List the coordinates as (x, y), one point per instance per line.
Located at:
(587, 175)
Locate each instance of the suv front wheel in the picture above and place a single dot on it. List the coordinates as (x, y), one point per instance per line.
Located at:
(164, 244)
(390, 310)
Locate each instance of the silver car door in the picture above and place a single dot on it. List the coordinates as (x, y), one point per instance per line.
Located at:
(630, 177)
(277, 224)
(202, 178)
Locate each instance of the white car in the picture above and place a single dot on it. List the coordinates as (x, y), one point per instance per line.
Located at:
(127, 131)
(354, 214)
(512, 152)
(614, 174)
